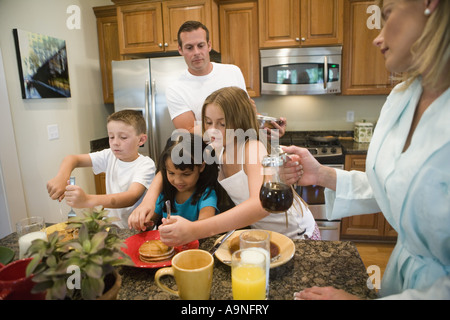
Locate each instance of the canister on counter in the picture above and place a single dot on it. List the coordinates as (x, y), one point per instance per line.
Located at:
(363, 131)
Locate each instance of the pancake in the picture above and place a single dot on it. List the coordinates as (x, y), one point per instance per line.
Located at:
(154, 251)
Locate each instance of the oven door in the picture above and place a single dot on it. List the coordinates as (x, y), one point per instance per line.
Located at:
(314, 196)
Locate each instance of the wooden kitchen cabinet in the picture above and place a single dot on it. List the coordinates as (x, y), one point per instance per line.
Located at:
(152, 26)
(293, 23)
(100, 184)
(239, 41)
(368, 226)
(108, 47)
(363, 71)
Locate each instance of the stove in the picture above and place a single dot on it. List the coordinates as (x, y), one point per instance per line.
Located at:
(323, 145)
(326, 148)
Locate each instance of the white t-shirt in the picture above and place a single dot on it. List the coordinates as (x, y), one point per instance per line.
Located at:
(119, 176)
(188, 92)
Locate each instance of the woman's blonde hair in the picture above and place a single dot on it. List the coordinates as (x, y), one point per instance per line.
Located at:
(236, 106)
(431, 52)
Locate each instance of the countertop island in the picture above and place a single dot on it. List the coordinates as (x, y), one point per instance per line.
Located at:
(315, 263)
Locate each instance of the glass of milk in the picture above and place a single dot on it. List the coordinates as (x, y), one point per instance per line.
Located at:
(29, 229)
(260, 240)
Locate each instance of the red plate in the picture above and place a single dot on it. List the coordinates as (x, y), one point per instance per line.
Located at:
(134, 242)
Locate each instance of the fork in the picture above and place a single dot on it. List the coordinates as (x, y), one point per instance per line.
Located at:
(71, 212)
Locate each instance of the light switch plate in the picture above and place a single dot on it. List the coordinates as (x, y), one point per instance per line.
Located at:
(53, 132)
(350, 116)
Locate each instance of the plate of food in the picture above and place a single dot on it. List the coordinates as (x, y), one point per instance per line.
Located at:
(61, 228)
(146, 250)
(282, 248)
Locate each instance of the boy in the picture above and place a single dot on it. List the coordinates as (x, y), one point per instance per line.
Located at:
(128, 173)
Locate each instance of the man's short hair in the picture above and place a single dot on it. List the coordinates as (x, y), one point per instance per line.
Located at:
(189, 26)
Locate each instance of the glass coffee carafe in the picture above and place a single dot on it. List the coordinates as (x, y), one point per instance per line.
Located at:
(275, 195)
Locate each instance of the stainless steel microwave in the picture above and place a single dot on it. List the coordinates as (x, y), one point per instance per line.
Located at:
(301, 71)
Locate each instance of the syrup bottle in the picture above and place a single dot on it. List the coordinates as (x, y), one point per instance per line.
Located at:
(275, 195)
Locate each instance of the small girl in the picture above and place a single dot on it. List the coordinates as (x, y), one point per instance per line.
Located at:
(226, 111)
(189, 183)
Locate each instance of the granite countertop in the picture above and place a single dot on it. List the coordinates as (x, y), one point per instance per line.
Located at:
(353, 147)
(315, 263)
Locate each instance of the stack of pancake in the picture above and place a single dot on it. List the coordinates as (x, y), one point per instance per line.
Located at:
(155, 251)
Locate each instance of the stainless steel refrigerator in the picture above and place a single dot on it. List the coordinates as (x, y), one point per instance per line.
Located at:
(141, 85)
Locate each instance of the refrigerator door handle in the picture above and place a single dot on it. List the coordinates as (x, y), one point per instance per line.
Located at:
(152, 130)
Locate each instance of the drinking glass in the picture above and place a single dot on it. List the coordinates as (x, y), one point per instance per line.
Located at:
(259, 239)
(248, 274)
(29, 229)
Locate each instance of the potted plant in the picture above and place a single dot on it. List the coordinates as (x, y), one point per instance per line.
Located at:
(79, 268)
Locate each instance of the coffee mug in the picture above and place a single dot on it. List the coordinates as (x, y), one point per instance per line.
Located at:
(15, 285)
(192, 270)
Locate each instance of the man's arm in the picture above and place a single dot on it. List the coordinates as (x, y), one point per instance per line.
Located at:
(185, 121)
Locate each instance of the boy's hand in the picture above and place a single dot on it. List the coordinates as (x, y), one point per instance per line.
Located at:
(76, 197)
(56, 188)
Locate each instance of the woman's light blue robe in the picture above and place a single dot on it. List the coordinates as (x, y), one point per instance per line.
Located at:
(411, 188)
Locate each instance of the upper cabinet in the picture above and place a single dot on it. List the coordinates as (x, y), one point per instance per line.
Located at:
(364, 70)
(293, 23)
(152, 26)
(108, 47)
(239, 41)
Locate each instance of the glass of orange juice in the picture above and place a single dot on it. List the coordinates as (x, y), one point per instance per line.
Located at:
(248, 274)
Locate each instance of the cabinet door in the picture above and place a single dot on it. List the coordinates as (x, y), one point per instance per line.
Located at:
(322, 22)
(140, 28)
(279, 23)
(108, 47)
(176, 12)
(239, 41)
(364, 71)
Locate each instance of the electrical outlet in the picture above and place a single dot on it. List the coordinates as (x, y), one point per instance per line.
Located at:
(350, 116)
(53, 132)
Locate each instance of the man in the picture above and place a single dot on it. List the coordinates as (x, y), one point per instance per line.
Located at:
(185, 96)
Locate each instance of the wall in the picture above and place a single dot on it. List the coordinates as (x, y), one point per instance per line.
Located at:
(80, 118)
(322, 112)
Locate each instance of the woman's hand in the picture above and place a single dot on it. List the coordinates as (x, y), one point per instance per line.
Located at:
(324, 293)
(176, 231)
(301, 168)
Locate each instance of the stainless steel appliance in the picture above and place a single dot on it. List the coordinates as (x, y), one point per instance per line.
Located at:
(301, 71)
(141, 85)
(326, 148)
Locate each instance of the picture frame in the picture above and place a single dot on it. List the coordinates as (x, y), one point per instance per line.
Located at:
(43, 66)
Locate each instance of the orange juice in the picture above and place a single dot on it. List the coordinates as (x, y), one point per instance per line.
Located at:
(248, 283)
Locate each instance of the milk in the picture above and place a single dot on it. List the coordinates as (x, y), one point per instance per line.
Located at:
(25, 241)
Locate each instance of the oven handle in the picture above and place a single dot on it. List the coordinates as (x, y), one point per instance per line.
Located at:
(326, 228)
(325, 73)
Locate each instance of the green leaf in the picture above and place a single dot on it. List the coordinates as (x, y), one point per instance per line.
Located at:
(98, 241)
(92, 288)
(93, 270)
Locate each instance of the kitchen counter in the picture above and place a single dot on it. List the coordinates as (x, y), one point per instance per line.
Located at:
(315, 263)
(353, 147)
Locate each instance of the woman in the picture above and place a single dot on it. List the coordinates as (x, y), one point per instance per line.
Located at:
(408, 170)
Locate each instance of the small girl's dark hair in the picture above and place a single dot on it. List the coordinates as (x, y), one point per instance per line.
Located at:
(183, 150)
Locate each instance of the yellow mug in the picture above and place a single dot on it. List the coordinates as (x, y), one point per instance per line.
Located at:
(192, 270)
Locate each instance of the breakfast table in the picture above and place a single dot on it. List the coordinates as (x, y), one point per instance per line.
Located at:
(314, 263)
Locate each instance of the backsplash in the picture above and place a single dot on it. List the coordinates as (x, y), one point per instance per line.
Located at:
(324, 112)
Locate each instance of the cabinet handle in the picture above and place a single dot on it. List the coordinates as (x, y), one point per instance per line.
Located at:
(166, 44)
(297, 39)
(303, 39)
(160, 45)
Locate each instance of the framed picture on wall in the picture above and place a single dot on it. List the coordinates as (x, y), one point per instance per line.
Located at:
(43, 68)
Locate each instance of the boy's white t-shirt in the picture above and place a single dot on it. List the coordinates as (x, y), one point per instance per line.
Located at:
(188, 92)
(119, 176)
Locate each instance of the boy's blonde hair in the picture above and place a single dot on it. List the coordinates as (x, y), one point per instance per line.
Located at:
(131, 117)
(236, 106)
